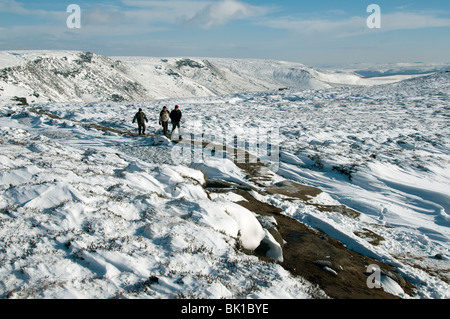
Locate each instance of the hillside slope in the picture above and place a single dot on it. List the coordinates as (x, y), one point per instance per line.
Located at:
(75, 77)
(70, 76)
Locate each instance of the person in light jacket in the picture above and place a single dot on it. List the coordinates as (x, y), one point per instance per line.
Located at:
(164, 119)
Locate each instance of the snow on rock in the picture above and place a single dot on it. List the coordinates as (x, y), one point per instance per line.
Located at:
(251, 232)
(391, 286)
(222, 169)
(187, 172)
(159, 140)
(232, 219)
(275, 251)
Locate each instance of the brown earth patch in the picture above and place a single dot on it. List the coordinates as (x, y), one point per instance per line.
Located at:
(312, 254)
(322, 260)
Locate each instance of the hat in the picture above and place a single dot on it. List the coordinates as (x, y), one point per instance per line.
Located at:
(176, 106)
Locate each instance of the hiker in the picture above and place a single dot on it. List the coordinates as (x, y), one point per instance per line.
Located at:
(141, 120)
(164, 119)
(175, 117)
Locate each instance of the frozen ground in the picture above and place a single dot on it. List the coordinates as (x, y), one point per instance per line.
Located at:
(81, 219)
(93, 214)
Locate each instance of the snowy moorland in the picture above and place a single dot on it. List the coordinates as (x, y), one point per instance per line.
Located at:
(71, 76)
(88, 210)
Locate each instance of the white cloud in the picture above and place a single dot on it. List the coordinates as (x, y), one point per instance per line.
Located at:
(358, 25)
(315, 26)
(104, 15)
(147, 15)
(12, 6)
(15, 7)
(167, 12)
(224, 11)
(406, 21)
(193, 13)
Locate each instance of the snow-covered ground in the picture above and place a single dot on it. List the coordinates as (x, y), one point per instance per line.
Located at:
(86, 213)
(82, 217)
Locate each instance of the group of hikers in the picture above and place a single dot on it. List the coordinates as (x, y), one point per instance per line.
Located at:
(164, 116)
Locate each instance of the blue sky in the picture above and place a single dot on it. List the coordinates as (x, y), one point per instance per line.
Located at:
(311, 32)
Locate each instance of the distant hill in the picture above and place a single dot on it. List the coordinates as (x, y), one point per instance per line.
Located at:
(72, 76)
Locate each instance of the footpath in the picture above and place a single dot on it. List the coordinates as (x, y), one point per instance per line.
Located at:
(307, 252)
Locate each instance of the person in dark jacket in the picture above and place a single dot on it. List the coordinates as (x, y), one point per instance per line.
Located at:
(141, 119)
(175, 117)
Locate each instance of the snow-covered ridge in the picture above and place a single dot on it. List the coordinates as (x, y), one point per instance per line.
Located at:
(370, 70)
(71, 76)
(67, 76)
